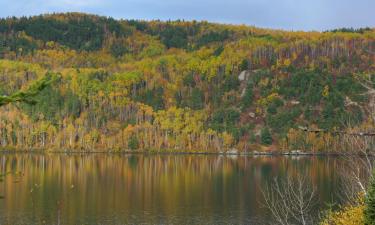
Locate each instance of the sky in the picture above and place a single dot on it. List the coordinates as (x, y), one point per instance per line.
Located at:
(304, 15)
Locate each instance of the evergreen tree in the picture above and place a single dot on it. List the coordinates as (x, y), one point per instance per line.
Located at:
(133, 143)
(266, 136)
(244, 65)
(197, 99)
(248, 97)
(369, 212)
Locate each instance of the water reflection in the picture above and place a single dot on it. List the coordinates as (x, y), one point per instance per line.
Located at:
(149, 189)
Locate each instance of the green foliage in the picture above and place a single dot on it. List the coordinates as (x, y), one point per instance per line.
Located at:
(72, 105)
(218, 50)
(231, 83)
(247, 99)
(351, 30)
(272, 107)
(265, 136)
(174, 37)
(49, 104)
(213, 36)
(77, 31)
(349, 86)
(189, 80)
(133, 143)
(16, 43)
(153, 98)
(126, 72)
(225, 120)
(244, 65)
(282, 121)
(138, 24)
(369, 212)
(252, 138)
(28, 96)
(118, 49)
(196, 99)
(306, 86)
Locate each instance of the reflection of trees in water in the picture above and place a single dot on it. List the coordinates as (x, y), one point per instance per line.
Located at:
(68, 165)
(162, 184)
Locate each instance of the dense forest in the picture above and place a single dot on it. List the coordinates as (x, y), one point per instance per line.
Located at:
(181, 86)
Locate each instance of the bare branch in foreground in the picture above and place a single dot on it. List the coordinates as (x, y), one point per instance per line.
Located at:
(290, 201)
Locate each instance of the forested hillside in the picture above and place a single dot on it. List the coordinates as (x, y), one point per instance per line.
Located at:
(181, 86)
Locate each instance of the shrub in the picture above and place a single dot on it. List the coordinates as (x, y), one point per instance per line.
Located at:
(349, 215)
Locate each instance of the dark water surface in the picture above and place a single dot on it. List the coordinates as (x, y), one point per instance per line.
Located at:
(150, 189)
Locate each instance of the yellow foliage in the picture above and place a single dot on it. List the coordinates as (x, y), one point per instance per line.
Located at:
(267, 100)
(299, 139)
(287, 62)
(349, 215)
(227, 139)
(325, 92)
(264, 82)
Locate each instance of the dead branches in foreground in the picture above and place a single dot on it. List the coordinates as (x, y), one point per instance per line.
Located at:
(290, 201)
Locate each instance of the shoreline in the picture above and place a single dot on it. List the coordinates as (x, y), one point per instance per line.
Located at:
(170, 152)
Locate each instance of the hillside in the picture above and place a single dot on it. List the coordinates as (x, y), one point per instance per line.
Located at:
(178, 85)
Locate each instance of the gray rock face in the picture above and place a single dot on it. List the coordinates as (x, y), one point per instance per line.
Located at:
(244, 75)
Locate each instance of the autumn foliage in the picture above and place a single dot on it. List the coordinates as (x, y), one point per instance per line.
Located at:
(175, 85)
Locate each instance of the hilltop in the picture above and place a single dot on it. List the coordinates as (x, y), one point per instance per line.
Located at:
(181, 85)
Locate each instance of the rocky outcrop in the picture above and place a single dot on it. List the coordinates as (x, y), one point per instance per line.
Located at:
(244, 75)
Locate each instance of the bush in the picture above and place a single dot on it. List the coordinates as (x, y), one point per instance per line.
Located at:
(349, 215)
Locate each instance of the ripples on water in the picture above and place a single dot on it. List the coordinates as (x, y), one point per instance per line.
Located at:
(150, 189)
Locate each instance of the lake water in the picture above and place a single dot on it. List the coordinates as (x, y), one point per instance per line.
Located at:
(151, 189)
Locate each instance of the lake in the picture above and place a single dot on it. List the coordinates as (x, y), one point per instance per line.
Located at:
(152, 189)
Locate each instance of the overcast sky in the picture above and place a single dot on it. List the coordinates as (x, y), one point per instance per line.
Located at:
(284, 14)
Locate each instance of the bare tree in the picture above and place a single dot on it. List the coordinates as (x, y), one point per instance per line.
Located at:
(356, 170)
(290, 201)
(359, 170)
(368, 84)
